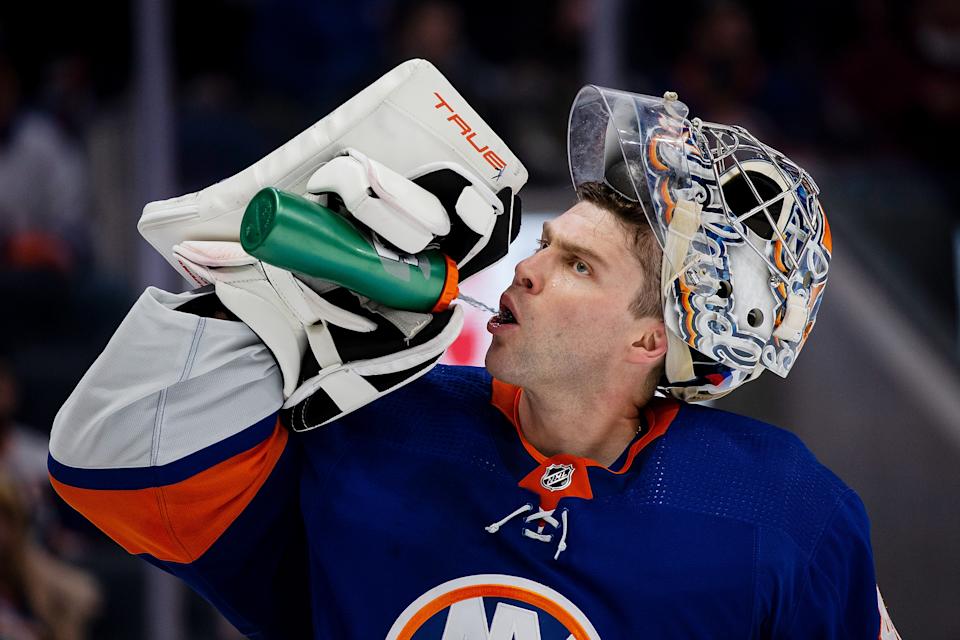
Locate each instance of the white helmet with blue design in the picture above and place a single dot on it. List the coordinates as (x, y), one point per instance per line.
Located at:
(746, 245)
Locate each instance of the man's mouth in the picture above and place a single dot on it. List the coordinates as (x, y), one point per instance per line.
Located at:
(506, 314)
(503, 317)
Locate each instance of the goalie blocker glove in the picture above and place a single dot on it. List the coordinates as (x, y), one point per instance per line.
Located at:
(336, 350)
(441, 178)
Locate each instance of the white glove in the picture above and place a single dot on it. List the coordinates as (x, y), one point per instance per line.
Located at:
(408, 118)
(383, 200)
(354, 350)
(400, 210)
(452, 183)
(282, 310)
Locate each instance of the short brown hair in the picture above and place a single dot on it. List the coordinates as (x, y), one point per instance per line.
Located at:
(645, 247)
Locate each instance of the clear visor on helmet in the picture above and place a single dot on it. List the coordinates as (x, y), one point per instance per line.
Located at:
(746, 244)
(621, 139)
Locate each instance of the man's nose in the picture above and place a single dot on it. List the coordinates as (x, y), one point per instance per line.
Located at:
(528, 274)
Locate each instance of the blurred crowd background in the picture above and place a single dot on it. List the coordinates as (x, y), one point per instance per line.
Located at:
(106, 106)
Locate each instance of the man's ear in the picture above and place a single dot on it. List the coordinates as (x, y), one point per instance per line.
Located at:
(649, 344)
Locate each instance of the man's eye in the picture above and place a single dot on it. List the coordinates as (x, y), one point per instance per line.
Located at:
(541, 244)
(581, 267)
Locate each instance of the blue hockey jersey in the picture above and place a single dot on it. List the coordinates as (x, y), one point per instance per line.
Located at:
(428, 515)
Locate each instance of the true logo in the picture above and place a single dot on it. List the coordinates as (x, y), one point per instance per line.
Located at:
(557, 477)
(467, 132)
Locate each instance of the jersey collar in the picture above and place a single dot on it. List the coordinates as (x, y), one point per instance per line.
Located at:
(658, 413)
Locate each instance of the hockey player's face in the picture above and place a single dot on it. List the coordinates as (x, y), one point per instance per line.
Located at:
(567, 311)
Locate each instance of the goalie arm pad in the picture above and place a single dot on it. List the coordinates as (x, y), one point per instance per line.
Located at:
(171, 445)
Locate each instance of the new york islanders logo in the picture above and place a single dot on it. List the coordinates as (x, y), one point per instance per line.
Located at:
(557, 477)
(492, 607)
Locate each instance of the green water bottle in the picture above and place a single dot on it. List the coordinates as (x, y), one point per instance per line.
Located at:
(298, 235)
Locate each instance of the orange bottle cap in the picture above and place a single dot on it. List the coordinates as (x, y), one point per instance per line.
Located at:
(450, 287)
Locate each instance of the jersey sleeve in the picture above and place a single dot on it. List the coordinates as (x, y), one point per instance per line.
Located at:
(837, 596)
(171, 444)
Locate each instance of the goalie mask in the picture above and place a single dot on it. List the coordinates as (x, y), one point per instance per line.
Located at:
(746, 245)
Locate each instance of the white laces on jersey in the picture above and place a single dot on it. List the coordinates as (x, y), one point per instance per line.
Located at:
(545, 518)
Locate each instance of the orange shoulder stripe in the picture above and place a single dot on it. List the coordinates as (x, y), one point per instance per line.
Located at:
(179, 522)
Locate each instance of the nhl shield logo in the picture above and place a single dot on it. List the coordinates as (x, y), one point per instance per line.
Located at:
(557, 477)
